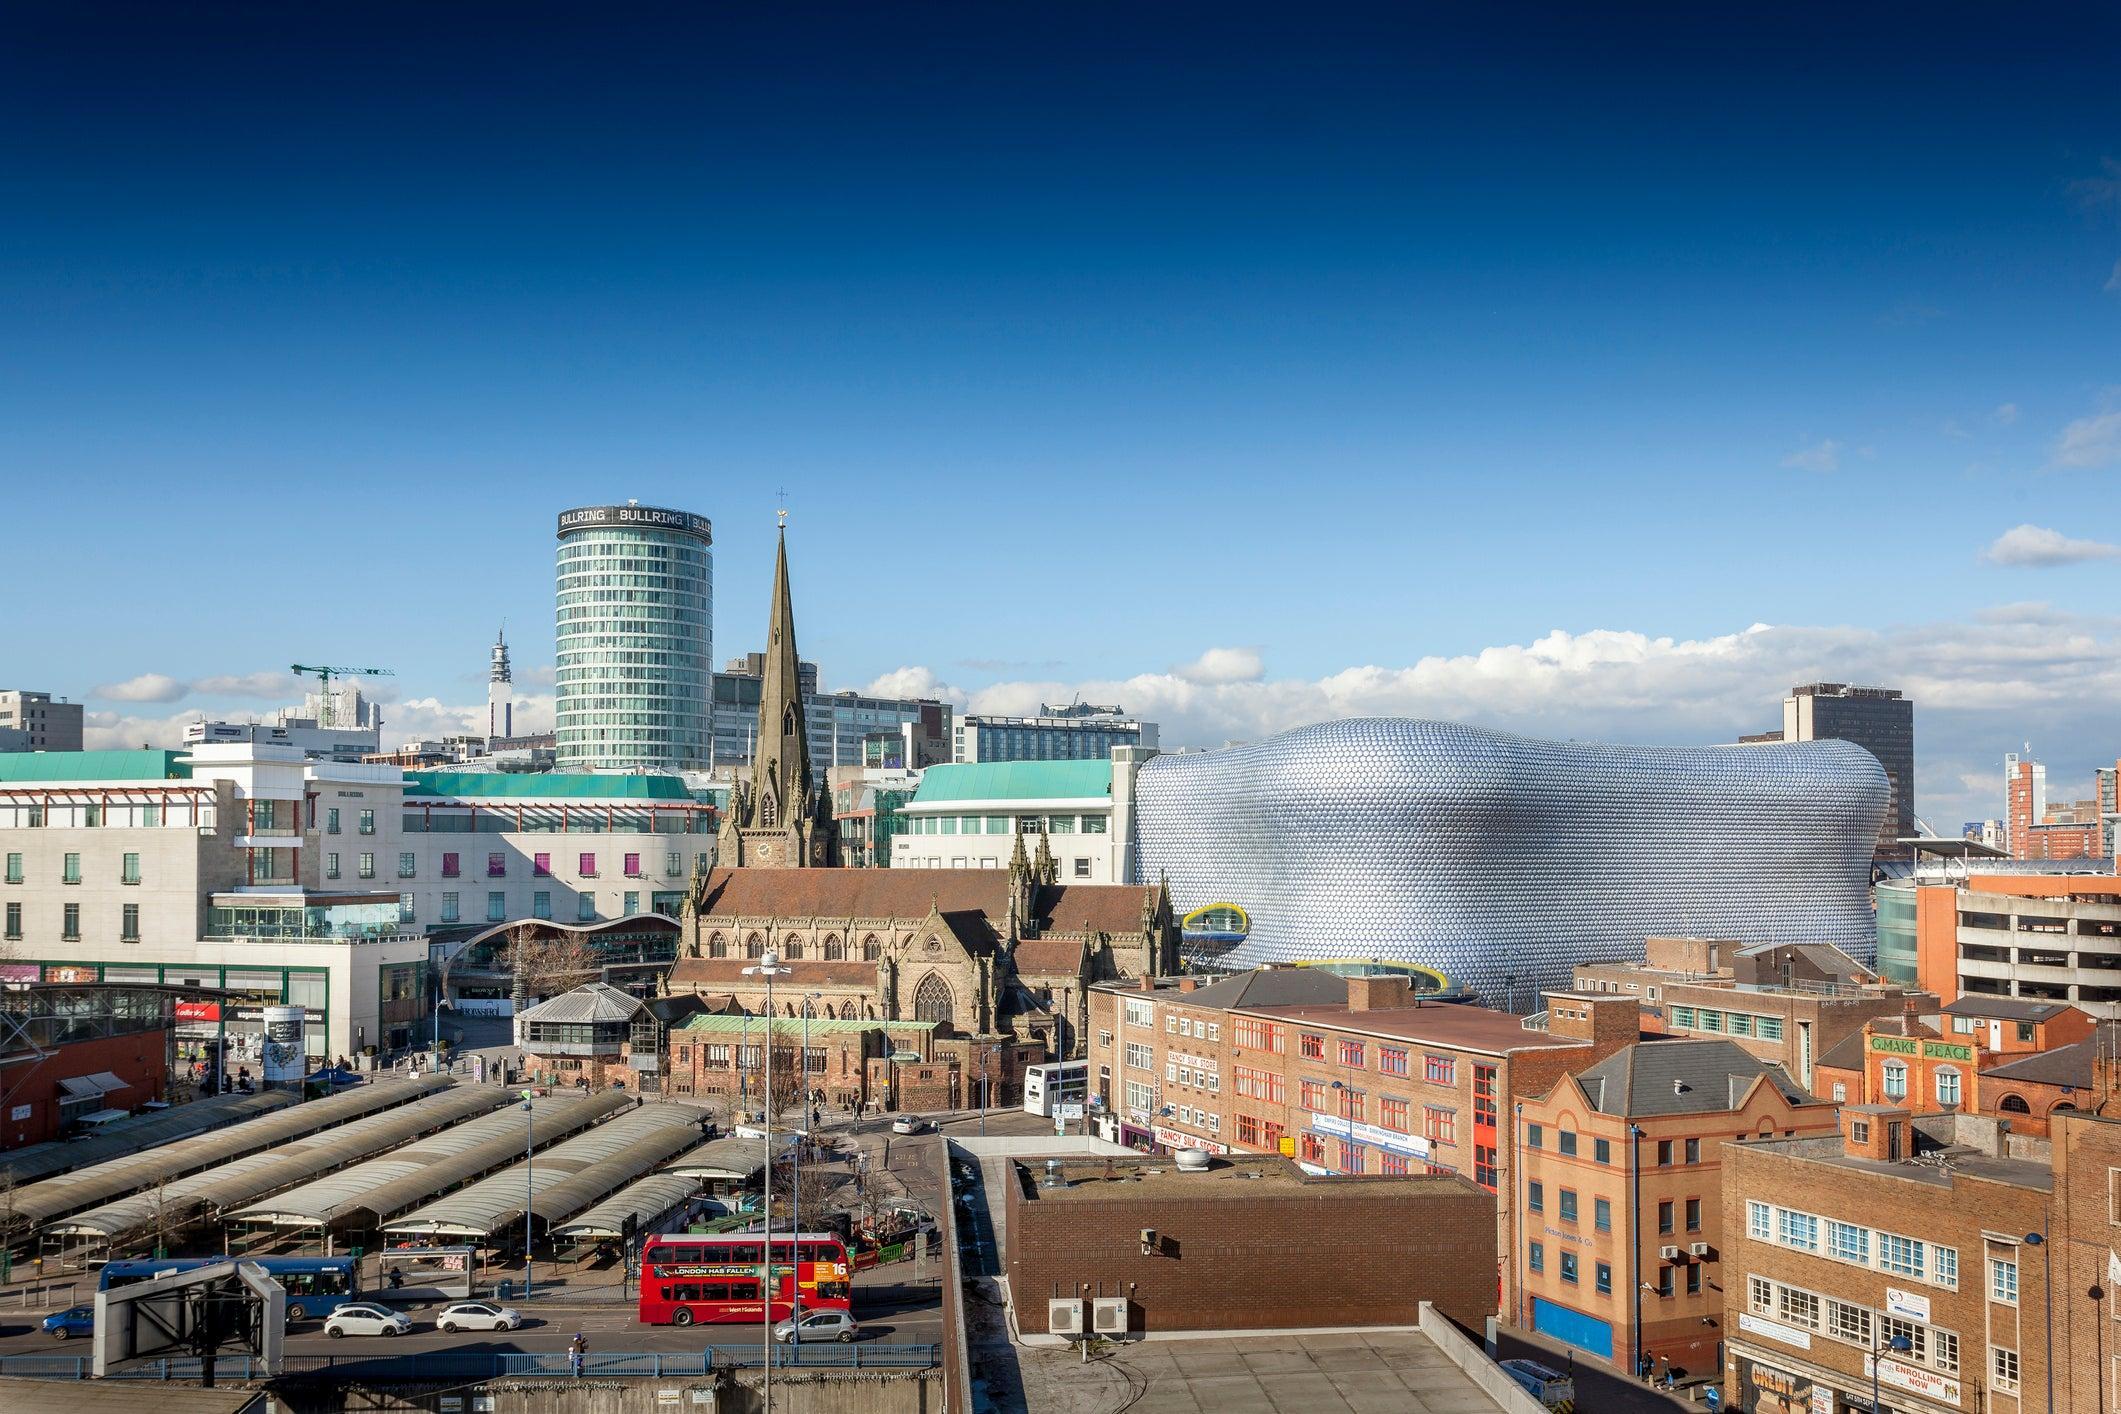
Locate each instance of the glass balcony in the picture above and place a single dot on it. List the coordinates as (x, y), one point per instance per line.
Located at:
(290, 920)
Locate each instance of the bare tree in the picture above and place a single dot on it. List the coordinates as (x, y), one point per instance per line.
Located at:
(545, 966)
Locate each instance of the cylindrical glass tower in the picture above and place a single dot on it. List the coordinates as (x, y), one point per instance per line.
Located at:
(632, 679)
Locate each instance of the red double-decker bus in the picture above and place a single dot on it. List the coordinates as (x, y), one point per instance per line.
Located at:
(687, 1278)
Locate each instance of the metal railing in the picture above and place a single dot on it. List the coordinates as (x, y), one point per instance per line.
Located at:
(474, 1365)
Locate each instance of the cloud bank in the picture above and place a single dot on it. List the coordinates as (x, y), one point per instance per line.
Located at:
(2040, 548)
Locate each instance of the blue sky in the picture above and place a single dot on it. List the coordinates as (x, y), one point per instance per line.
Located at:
(1085, 341)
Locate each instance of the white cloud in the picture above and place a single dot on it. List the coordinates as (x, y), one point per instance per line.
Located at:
(2038, 547)
(2004, 415)
(1223, 665)
(913, 682)
(1820, 456)
(421, 718)
(148, 687)
(2093, 441)
(1981, 688)
(271, 685)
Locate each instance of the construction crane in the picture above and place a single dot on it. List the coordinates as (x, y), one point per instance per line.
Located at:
(325, 713)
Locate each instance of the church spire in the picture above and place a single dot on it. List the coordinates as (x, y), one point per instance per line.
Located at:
(783, 761)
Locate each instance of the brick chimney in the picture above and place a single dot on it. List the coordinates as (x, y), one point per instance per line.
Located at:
(1380, 992)
(1187, 984)
(1147, 983)
(1881, 1133)
(1607, 1022)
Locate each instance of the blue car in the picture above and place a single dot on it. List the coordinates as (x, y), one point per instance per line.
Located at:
(75, 1320)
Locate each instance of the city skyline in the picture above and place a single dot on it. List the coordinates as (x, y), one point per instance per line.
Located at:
(1605, 379)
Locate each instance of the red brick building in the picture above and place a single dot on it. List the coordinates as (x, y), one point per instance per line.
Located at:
(70, 1051)
(1620, 1187)
(1347, 1075)
(1899, 1228)
(2032, 1091)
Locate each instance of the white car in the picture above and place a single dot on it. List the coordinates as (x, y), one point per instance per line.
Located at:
(906, 1124)
(360, 1318)
(818, 1325)
(478, 1316)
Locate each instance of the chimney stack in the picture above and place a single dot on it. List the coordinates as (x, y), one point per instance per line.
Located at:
(1380, 992)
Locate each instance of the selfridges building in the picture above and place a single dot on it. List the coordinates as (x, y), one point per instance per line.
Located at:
(1494, 863)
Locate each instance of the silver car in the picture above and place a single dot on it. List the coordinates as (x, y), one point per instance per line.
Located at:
(478, 1316)
(360, 1318)
(818, 1325)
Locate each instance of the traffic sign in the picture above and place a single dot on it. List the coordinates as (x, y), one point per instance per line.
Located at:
(906, 1057)
(1068, 1111)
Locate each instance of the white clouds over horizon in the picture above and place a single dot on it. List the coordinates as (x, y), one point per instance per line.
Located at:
(1820, 456)
(2012, 673)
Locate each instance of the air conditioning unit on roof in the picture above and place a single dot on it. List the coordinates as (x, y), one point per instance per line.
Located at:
(1111, 1315)
(1065, 1317)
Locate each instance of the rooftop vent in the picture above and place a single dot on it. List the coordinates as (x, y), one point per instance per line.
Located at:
(1192, 1160)
(1054, 1177)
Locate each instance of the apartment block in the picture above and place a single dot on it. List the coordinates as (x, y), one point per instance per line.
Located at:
(2036, 936)
(45, 724)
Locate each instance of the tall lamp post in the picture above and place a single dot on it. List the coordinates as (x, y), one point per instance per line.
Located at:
(802, 1066)
(768, 967)
(2047, 1269)
(1635, 1133)
(529, 1191)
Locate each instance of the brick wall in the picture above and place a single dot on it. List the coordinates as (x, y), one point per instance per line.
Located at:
(1957, 1214)
(1339, 1251)
(141, 1059)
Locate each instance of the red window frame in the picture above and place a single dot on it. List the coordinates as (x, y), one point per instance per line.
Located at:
(1439, 1070)
(1391, 1060)
(1311, 1045)
(1352, 1052)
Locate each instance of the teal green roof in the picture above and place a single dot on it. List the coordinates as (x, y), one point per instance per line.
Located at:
(1015, 780)
(94, 766)
(540, 785)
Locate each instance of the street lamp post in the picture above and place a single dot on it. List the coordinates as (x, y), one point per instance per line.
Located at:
(1899, 1345)
(529, 1190)
(802, 1066)
(2047, 1269)
(1635, 1243)
(769, 967)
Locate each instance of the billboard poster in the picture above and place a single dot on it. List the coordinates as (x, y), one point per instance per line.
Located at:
(1764, 1389)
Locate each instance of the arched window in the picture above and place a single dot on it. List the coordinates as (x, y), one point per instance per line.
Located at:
(869, 951)
(931, 1000)
(846, 1011)
(2060, 1105)
(717, 946)
(792, 946)
(753, 945)
(1895, 1080)
(833, 951)
(2013, 1105)
(769, 811)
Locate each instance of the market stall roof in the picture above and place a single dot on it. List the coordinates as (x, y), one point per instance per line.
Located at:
(563, 1181)
(384, 1187)
(646, 1201)
(77, 1192)
(738, 1158)
(36, 1162)
(241, 1180)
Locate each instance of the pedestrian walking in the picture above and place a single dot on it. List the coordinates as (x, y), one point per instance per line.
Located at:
(576, 1349)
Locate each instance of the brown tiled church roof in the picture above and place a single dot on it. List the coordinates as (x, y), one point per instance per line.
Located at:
(720, 972)
(1050, 957)
(908, 894)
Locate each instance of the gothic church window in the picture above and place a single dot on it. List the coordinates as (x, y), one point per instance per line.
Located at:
(931, 1000)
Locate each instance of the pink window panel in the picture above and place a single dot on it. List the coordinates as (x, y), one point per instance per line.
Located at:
(633, 866)
(496, 866)
(449, 866)
(589, 866)
(541, 865)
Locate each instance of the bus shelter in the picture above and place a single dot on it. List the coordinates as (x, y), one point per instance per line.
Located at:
(661, 1202)
(558, 1184)
(343, 1207)
(40, 1204)
(157, 1213)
